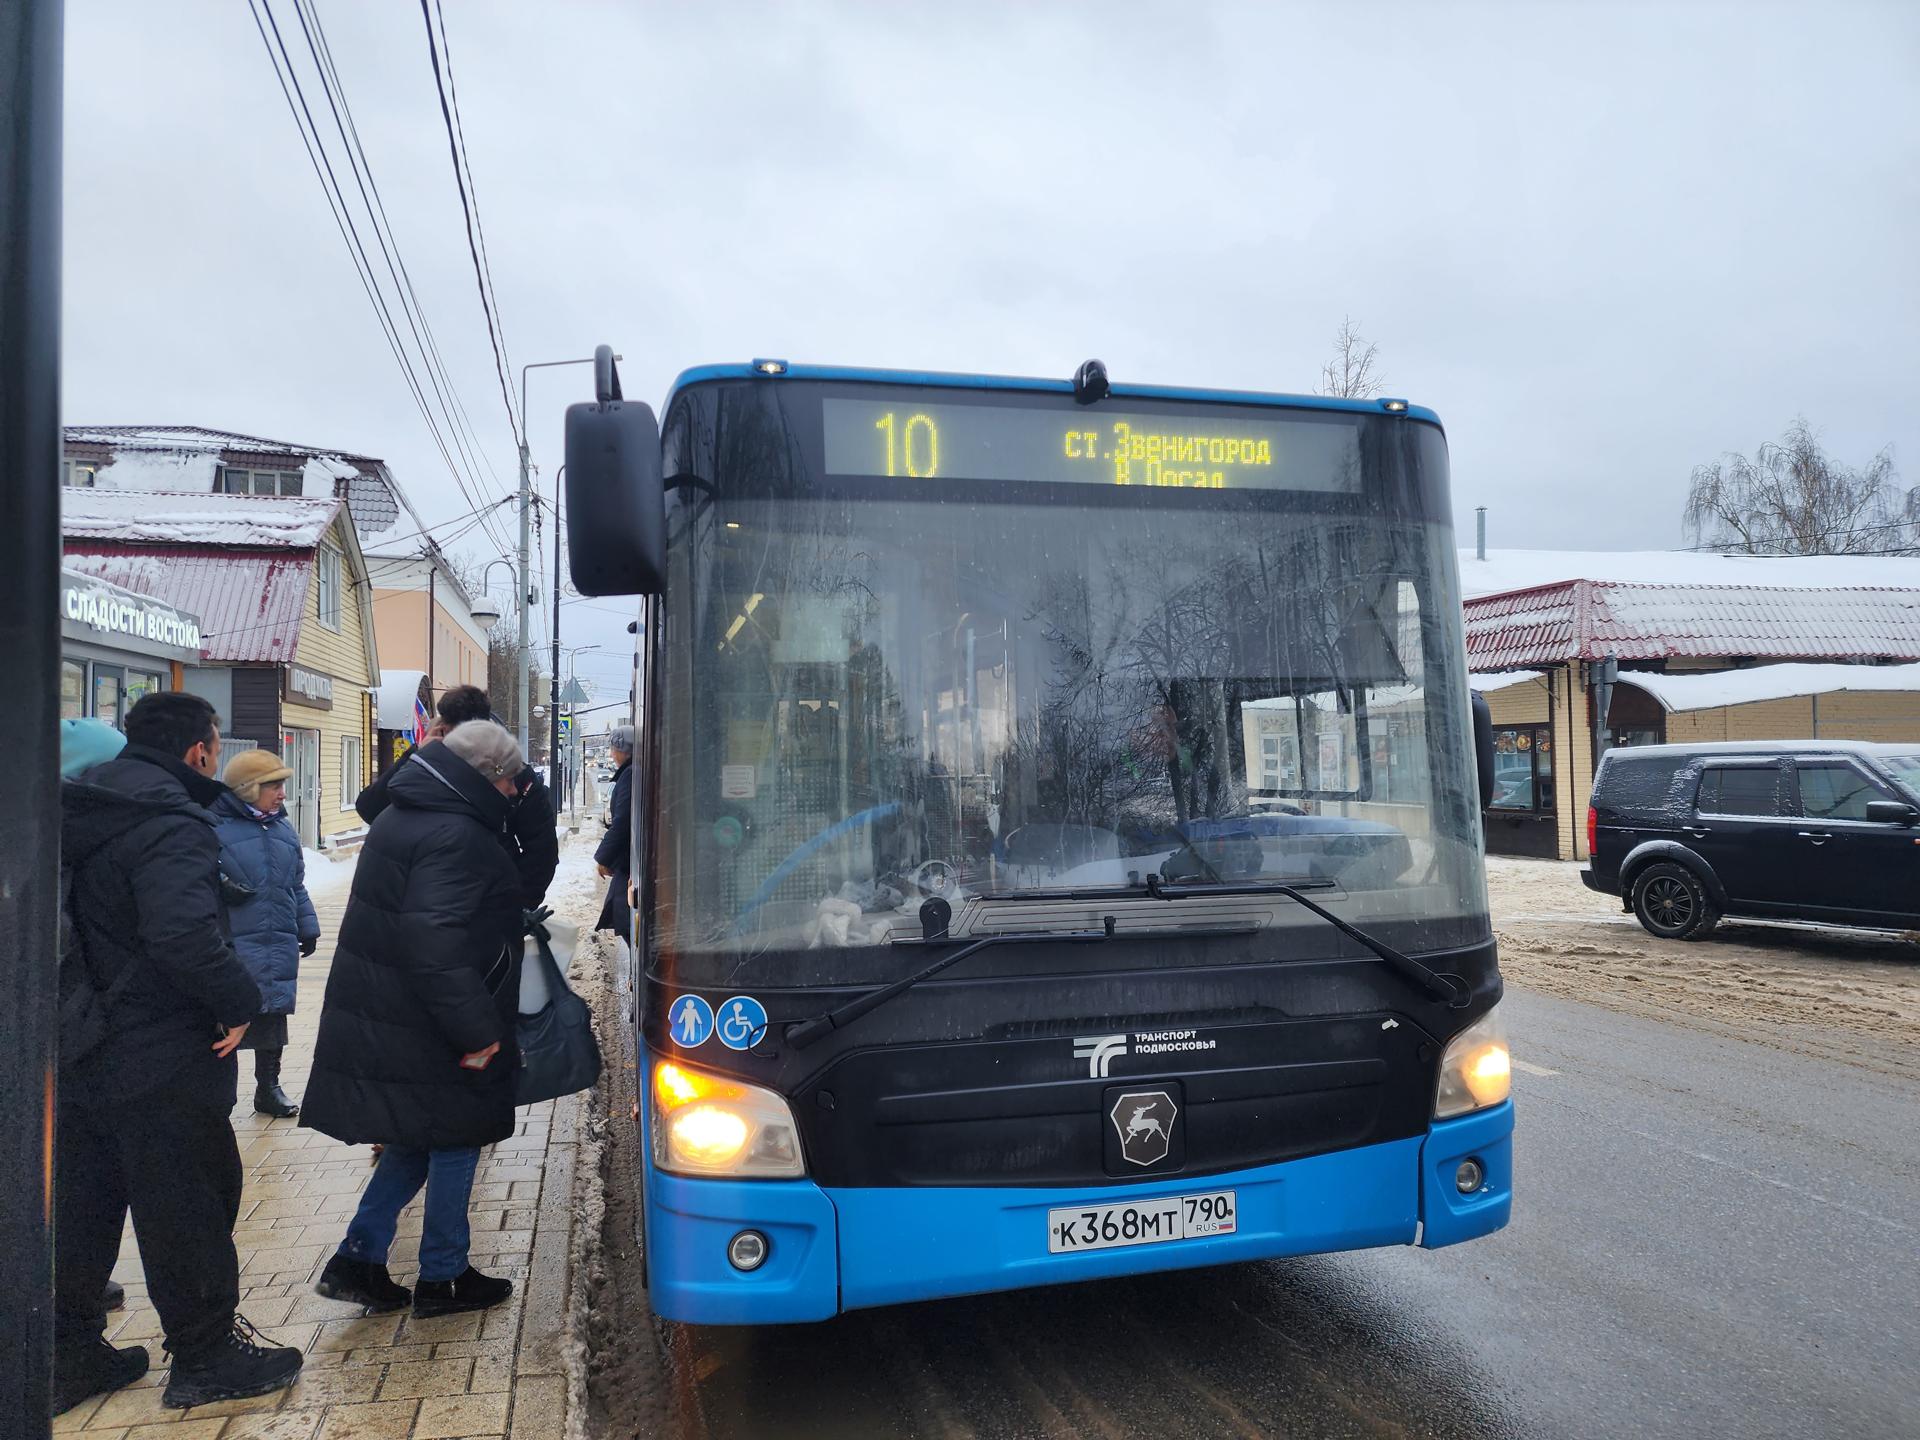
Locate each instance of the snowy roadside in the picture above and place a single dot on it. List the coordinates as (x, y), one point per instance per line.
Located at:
(1846, 995)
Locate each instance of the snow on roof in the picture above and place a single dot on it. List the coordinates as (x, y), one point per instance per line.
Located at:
(1502, 679)
(1694, 691)
(1593, 619)
(1505, 570)
(258, 522)
(159, 470)
(194, 437)
(187, 458)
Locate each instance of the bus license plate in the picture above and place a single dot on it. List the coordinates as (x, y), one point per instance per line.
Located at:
(1144, 1222)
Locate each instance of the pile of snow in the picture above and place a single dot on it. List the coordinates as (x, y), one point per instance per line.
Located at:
(189, 470)
(329, 876)
(319, 473)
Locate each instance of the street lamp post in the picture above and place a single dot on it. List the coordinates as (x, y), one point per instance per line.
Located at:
(526, 541)
(487, 614)
(553, 737)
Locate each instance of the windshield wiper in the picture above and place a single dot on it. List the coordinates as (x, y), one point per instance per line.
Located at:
(1450, 988)
(934, 921)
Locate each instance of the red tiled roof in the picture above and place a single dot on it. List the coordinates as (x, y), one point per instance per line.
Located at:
(249, 602)
(1592, 619)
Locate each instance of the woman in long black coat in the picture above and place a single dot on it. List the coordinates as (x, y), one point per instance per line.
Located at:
(615, 854)
(416, 1051)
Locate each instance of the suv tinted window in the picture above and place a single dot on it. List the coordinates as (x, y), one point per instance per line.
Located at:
(1739, 790)
(1833, 791)
(1634, 782)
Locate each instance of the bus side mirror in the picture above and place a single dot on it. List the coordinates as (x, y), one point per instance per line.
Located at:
(1483, 747)
(616, 499)
(1890, 812)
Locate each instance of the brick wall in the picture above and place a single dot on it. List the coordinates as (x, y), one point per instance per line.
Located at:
(1854, 715)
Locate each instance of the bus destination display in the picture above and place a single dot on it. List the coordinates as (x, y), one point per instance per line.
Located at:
(1207, 449)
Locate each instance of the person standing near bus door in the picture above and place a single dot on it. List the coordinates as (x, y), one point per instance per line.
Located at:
(264, 879)
(614, 857)
(417, 1049)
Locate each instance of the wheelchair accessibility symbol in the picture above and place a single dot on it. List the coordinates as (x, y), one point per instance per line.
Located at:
(690, 1021)
(743, 1020)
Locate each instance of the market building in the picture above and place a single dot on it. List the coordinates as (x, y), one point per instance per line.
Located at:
(1577, 652)
(117, 645)
(283, 602)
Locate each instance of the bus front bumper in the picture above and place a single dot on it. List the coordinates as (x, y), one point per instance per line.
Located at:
(847, 1249)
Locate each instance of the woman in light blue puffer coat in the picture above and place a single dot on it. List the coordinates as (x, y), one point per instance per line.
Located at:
(264, 878)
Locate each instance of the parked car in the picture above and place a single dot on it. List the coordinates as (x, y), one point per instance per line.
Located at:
(1825, 830)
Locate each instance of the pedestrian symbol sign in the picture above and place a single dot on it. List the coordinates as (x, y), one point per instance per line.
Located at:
(743, 1020)
(691, 1021)
(566, 727)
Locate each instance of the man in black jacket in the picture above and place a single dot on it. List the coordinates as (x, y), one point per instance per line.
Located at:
(614, 856)
(531, 838)
(144, 1113)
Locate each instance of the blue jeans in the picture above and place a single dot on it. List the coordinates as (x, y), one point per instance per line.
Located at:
(448, 1176)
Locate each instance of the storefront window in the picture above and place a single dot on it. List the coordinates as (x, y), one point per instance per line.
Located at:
(141, 683)
(1523, 768)
(73, 690)
(106, 694)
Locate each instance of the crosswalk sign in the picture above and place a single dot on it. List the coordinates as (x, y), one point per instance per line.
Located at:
(566, 726)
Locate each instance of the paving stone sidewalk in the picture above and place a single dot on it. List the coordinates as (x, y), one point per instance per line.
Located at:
(384, 1377)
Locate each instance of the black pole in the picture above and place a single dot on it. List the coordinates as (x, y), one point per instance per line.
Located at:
(30, 58)
(553, 708)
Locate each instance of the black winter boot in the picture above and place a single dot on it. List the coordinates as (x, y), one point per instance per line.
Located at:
(472, 1291)
(234, 1367)
(93, 1369)
(115, 1297)
(268, 1097)
(361, 1282)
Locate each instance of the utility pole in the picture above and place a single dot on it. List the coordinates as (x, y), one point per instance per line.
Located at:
(30, 80)
(526, 547)
(525, 690)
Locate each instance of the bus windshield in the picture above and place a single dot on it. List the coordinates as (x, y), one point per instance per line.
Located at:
(876, 688)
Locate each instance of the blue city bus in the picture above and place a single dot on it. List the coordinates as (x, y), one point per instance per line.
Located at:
(1056, 832)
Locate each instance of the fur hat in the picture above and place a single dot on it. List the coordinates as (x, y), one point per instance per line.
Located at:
(251, 769)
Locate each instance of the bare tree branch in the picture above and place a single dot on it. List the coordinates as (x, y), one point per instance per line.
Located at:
(1792, 498)
(1351, 372)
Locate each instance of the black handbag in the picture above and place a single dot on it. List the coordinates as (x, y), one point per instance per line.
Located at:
(558, 1052)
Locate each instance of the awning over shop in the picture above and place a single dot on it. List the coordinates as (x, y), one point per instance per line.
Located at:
(394, 702)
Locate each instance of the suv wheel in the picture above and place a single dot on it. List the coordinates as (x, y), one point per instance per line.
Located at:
(1672, 902)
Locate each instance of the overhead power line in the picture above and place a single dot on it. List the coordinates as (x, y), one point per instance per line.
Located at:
(467, 206)
(1731, 547)
(287, 75)
(459, 423)
(473, 188)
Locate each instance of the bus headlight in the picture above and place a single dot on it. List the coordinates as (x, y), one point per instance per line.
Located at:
(705, 1124)
(1476, 1071)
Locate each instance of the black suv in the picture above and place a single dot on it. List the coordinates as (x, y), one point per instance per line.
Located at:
(1824, 830)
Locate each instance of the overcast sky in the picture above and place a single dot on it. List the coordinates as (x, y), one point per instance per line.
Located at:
(1605, 242)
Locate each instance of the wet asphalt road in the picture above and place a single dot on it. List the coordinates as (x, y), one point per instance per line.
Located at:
(1711, 1238)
